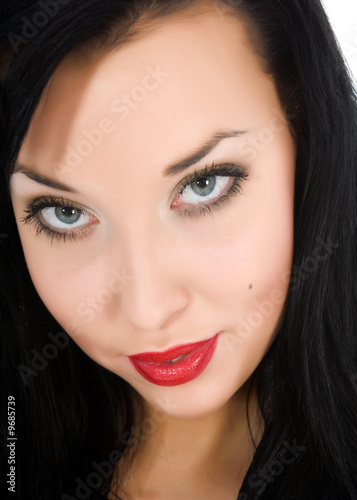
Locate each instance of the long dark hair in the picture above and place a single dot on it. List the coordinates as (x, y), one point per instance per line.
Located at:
(307, 382)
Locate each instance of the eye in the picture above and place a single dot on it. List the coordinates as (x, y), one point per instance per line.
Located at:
(59, 218)
(209, 189)
(64, 217)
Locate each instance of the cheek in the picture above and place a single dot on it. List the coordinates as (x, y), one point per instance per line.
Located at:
(64, 283)
(247, 291)
(244, 273)
(85, 307)
(250, 291)
(250, 255)
(237, 269)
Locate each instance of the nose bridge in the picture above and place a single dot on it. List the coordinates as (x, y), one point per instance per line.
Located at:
(155, 295)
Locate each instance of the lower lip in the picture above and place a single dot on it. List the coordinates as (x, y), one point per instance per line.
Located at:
(179, 372)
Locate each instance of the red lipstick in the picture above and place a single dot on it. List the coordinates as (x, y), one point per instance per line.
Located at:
(175, 366)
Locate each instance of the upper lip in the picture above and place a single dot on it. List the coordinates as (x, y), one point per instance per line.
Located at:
(169, 354)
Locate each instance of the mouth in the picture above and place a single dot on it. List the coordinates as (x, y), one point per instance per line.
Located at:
(175, 366)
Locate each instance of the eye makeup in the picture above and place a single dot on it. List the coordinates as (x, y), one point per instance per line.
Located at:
(234, 173)
(36, 208)
(42, 210)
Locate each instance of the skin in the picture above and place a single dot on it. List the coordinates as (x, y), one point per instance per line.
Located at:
(185, 278)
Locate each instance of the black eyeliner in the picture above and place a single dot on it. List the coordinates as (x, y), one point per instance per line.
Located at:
(238, 173)
(225, 170)
(34, 207)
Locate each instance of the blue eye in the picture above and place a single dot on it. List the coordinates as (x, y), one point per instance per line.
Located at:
(204, 189)
(209, 189)
(59, 218)
(64, 217)
(199, 193)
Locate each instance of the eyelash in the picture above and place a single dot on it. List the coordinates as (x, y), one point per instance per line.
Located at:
(225, 170)
(39, 204)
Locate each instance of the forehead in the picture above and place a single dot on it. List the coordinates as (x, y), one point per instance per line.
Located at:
(193, 73)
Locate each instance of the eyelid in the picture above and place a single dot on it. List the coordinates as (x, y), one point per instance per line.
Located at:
(54, 201)
(232, 170)
(215, 169)
(37, 205)
(227, 169)
(34, 208)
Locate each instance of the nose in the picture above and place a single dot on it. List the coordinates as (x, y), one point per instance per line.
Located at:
(156, 296)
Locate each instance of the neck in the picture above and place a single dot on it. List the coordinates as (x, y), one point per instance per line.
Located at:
(179, 454)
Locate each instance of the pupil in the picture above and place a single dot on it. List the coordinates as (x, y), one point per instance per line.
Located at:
(202, 182)
(67, 211)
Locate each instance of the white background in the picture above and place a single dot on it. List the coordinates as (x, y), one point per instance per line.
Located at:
(343, 17)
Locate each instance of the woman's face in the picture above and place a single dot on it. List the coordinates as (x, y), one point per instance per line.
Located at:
(131, 255)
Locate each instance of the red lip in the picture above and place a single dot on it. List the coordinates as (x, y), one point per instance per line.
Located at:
(152, 366)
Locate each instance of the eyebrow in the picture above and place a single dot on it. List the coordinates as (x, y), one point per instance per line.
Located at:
(173, 169)
(42, 179)
(202, 151)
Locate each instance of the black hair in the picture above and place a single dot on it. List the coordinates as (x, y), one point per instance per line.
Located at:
(307, 381)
